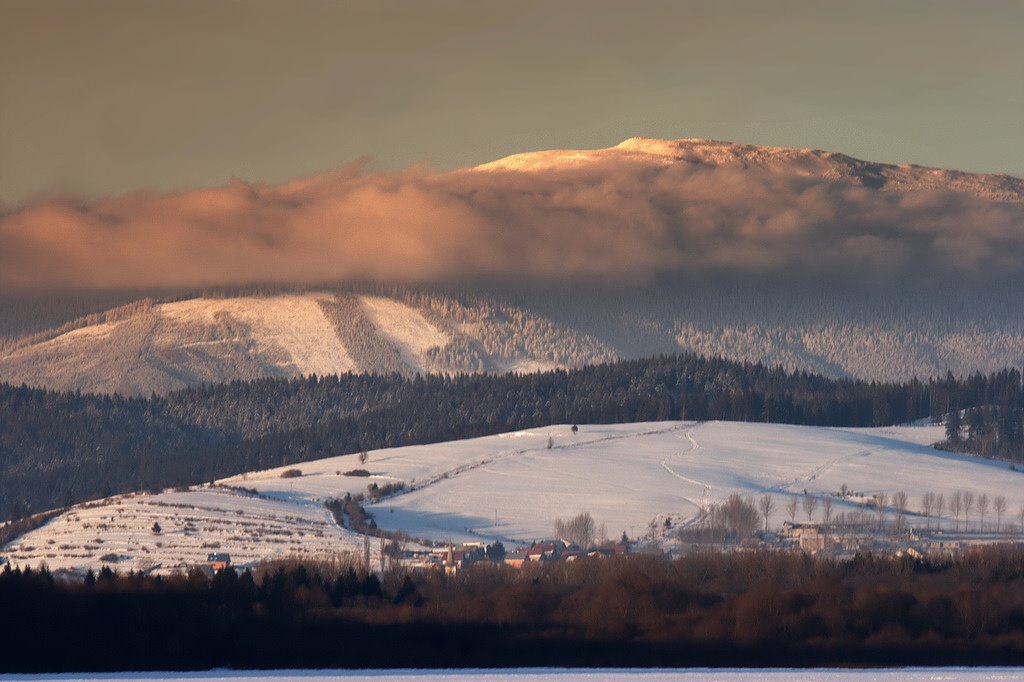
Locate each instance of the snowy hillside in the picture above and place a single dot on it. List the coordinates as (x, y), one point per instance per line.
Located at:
(157, 347)
(511, 487)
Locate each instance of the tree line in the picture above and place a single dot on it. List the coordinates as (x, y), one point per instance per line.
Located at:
(57, 448)
(706, 609)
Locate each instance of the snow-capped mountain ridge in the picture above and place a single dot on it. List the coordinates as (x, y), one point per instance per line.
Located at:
(808, 259)
(806, 161)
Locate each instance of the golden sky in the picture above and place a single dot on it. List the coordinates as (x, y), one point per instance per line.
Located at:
(102, 97)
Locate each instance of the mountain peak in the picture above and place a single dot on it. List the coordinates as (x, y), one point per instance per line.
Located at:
(656, 151)
(653, 145)
(800, 162)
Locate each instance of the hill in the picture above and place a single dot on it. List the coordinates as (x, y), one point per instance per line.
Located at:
(60, 448)
(158, 347)
(511, 487)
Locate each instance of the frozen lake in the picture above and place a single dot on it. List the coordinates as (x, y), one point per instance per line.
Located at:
(569, 675)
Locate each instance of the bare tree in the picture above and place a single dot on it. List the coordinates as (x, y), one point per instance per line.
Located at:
(927, 507)
(940, 507)
(881, 501)
(766, 504)
(810, 504)
(968, 506)
(791, 508)
(982, 509)
(363, 456)
(1000, 508)
(826, 508)
(741, 516)
(844, 490)
(1020, 516)
(899, 500)
(956, 505)
(580, 529)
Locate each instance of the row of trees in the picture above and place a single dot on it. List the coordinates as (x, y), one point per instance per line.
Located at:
(933, 507)
(987, 430)
(739, 609)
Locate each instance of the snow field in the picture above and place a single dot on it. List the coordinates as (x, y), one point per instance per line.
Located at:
(279, 324)
(512, 487)
(406, 327)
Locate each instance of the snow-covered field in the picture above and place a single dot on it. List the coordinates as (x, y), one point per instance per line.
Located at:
(571, 675)
(630, 477)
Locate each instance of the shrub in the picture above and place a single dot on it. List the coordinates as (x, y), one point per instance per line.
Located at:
(291, 473)
(357, 472)
(375, 493)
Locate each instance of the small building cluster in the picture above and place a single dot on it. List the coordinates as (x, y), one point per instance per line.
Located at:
(841, 541)
(453, 559)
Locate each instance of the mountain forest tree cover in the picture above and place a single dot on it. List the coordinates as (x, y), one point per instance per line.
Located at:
(60, 448)
(705, 609)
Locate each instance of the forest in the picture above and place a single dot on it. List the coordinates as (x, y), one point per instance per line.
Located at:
(706, 609)
(60, 448)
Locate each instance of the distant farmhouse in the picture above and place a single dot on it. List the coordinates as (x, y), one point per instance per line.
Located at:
(218, 561)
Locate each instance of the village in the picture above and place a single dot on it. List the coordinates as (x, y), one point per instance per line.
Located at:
(823, 540)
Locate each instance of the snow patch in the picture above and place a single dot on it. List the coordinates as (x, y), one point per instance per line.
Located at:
(292, 324)
(406, 328)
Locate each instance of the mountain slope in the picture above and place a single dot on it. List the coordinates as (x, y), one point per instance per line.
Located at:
(157, 347)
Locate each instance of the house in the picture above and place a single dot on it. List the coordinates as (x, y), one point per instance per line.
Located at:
(218, 561)
(808, 535)
(423, 562)
(517, 558)
(542, 551)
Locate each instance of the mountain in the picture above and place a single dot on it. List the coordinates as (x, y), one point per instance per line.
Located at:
(808, 259)
(151, 346)
(812, 164)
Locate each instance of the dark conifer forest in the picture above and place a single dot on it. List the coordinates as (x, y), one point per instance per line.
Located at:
(60, 448)
(712, 609)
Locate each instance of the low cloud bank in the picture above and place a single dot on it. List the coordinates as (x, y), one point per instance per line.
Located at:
(618, 217)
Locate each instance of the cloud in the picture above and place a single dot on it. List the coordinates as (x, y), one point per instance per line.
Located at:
(616, 216)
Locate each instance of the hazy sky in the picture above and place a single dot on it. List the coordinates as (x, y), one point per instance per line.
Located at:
(102, 97)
